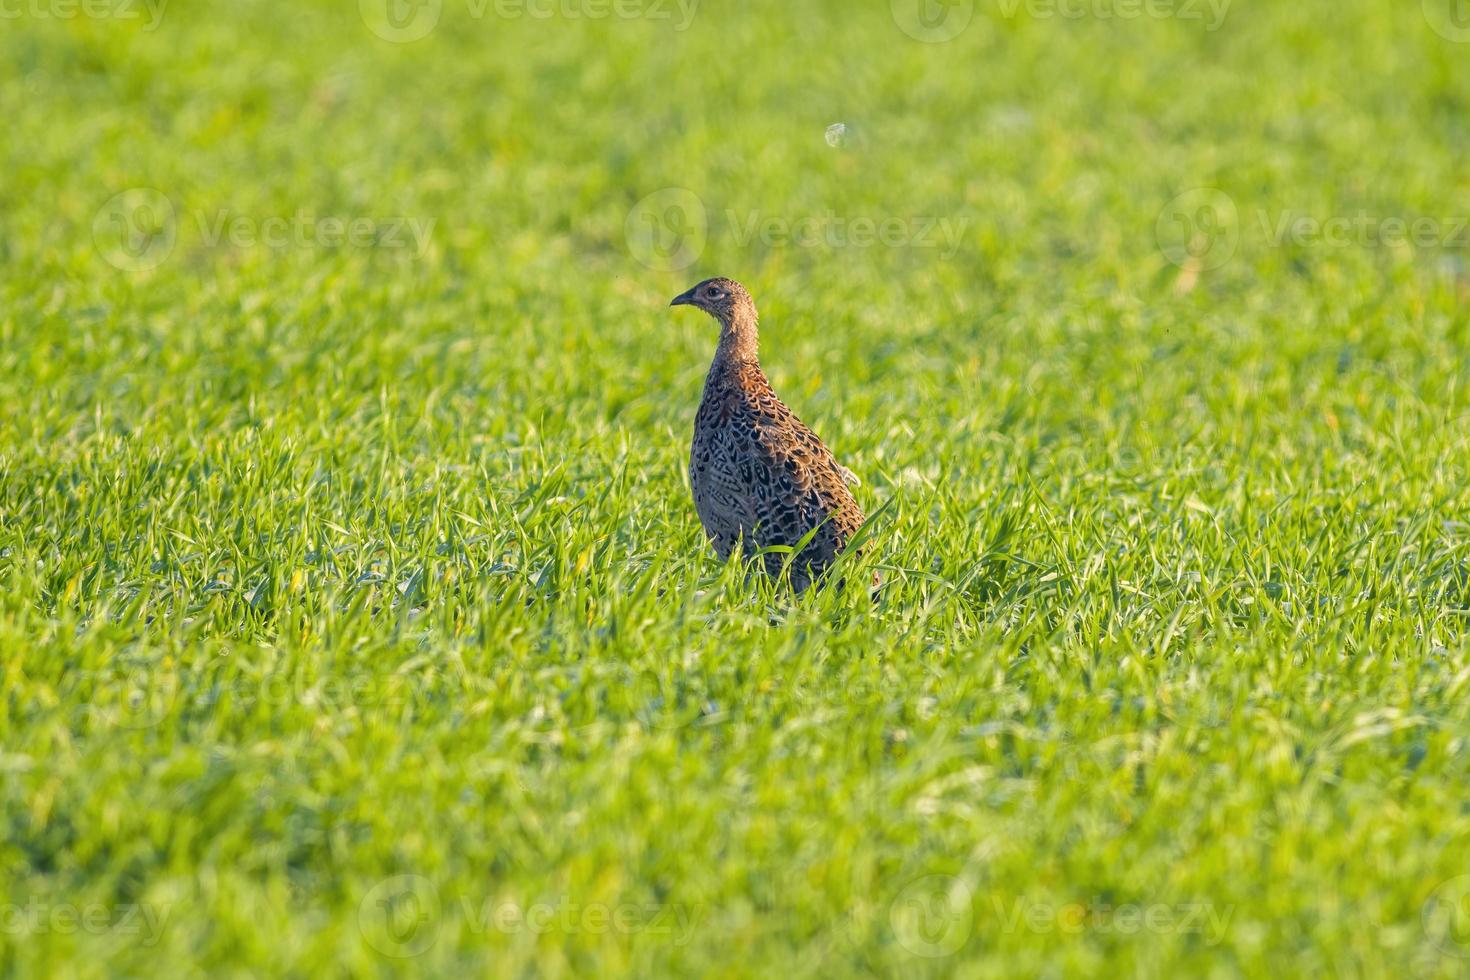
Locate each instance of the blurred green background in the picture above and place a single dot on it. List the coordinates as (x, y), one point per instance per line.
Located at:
(354, 616)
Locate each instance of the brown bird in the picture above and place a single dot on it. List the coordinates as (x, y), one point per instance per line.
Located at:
(761, 478)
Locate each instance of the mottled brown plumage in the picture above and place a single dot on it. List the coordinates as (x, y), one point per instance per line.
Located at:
(761, 478)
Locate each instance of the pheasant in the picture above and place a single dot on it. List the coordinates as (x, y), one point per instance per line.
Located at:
(761, 478)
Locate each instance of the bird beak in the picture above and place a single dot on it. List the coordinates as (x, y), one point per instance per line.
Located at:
(684, 299)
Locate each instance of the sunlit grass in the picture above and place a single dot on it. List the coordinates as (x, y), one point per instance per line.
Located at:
(355, 617)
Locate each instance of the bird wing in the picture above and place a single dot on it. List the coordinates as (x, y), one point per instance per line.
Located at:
(795, 481)
(761, 476)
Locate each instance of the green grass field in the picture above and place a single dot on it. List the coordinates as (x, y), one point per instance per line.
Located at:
(354, 615)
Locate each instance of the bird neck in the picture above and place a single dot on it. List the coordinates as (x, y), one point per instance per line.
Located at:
(738, 340)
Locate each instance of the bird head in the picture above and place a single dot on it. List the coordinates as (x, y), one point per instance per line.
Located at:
(724, 299)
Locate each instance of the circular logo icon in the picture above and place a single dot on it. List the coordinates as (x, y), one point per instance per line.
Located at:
(133, 693)
(401, 21)
(1446, 917)
(146, 697)
(933, 916)
(668, 230)
(660, 704)
(932, 21)
(136, 230)
(1450, 19)
(399, 917)
(1199, 229)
